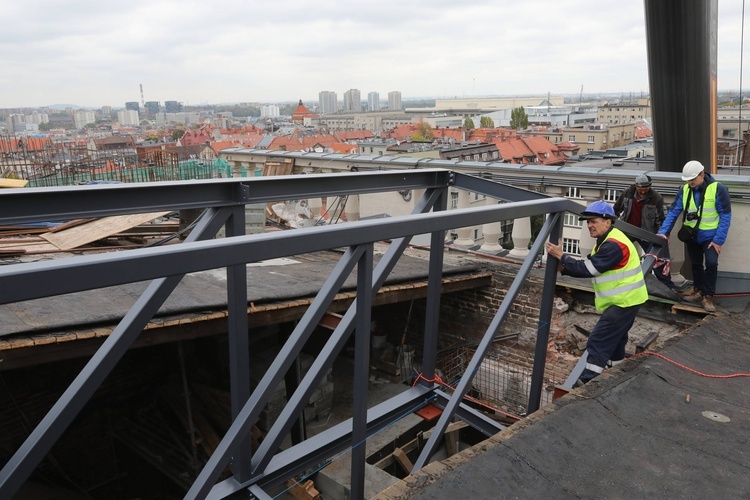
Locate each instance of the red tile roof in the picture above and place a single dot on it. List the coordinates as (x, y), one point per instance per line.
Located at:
(8, 145)
(523, 150)
(300, 113)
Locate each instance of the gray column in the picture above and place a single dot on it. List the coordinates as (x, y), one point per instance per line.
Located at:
(465, 238)
(492, 233)
(521, 237)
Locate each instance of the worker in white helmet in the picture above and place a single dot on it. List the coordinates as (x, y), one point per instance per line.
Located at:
(706, 216)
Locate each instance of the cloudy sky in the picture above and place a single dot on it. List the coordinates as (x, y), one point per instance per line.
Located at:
(94, 53)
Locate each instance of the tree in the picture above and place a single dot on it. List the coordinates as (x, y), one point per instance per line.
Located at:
(518, 118)
(423, 133)
(177, 134)
(468, 123)
(486, 122)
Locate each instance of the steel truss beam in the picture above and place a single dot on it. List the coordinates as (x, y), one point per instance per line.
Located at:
(464, 384)
(48, 431)
(49, 204)
(291, 349)
(56, 277)
(167, 265)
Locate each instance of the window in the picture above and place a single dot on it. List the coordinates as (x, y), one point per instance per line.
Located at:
(591, 139)
(484, 156)
(611, 195)
(572, 138)
(454, 200)
(476, 157)
(570, 246)
(476, 234)
(573, 193)
(494, 154)
(572, 220)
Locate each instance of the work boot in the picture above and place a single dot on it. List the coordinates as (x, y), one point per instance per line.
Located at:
(708, 303)
(693, 297)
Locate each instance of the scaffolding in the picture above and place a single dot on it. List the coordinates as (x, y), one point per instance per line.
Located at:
(45, 163)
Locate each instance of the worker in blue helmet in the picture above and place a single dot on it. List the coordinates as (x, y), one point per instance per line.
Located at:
(619, 287)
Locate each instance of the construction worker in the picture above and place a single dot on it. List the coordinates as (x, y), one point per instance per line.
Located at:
(641, 206)
(619, 287)
(707, 216)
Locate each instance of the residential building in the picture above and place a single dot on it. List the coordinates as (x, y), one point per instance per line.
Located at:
(624, 112)
(376, 122)
(37, 118)
(82, 118)
(352, 101)
(599, 136)
(327, 102)
(107, 110)
(133, 106)
(16, 123)
(471, 152)
(128, 117)
(394, 101)
(269, 111)
(373, 101)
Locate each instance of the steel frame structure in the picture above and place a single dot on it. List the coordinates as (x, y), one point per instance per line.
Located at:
(223, 201)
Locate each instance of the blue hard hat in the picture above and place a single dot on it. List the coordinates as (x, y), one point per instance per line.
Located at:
(598, 209)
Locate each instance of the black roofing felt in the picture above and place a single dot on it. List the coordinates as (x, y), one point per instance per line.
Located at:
(285, 279)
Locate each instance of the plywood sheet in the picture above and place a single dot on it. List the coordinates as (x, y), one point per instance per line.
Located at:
(95, 230)
(13, 183)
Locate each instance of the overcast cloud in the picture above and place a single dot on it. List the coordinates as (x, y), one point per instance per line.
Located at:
(94, 53)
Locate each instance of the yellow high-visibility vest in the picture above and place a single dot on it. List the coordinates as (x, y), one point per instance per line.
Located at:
(624, 287)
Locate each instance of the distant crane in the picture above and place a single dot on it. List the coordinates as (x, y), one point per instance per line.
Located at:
(143, 102)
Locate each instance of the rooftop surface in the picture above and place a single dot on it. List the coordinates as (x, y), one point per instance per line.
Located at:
(648, 428)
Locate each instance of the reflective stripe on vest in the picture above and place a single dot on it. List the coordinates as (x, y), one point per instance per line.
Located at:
(710, 217)
(624, 287)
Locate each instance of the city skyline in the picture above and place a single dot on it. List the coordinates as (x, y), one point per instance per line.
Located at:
(93, 54)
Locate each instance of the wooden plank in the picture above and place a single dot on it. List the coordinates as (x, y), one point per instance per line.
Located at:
(69, 224)
(682, 306)
(13, 183)
(403, 460)
(303, 491)
(98, 229)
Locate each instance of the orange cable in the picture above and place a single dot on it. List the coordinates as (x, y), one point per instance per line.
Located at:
(687, 368)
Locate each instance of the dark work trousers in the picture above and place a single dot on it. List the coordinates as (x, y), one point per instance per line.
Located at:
(658, 270)
(703, 280)
(608, 339)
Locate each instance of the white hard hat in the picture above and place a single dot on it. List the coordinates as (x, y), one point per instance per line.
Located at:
(691, 170)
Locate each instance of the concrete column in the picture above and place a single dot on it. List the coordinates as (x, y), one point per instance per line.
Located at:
(236, 167)
(352, 208)
(521, 236)
(465, 238)
(492, 232)
(315, 205)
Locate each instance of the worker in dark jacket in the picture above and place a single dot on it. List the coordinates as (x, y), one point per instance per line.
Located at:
(641, 206)
(619, 288)
(706, 205)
